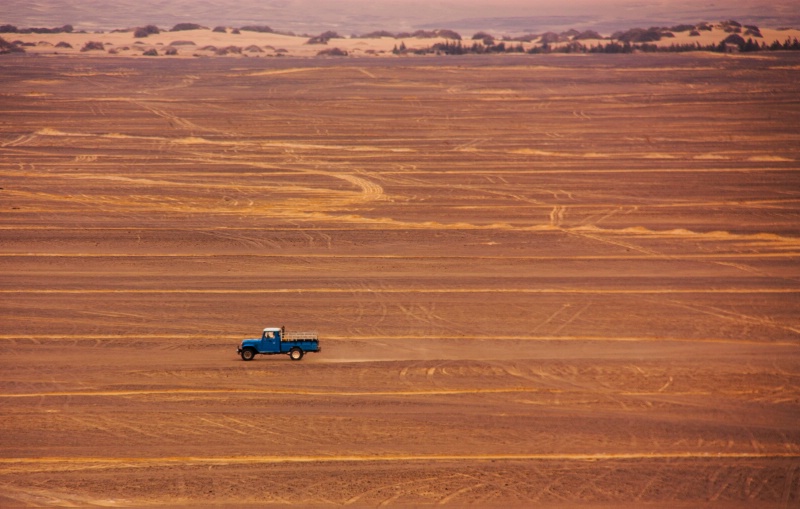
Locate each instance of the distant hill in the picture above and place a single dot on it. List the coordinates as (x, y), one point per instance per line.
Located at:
(194, 40)
(502, 17)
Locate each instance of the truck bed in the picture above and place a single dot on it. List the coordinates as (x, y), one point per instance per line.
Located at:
(300, 336)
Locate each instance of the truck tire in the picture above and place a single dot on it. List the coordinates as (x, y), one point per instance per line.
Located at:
(295, 354)
(248, 354)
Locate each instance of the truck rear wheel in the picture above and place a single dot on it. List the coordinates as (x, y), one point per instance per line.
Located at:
(295, 354)
(248, 354)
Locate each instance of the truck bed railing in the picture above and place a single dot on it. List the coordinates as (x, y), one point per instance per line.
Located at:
(300, 336)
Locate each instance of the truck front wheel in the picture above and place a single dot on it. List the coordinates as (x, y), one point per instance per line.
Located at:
(295, 354)
(248, 354)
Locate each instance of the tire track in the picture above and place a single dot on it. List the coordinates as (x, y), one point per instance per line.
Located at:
(392, 486)
(460, 492)
(126, 338)
(572, 318)
(556, 291)
(278, 392)
(690, 257)
(40, 497)
(557, 215)
(551, 317)
(174, 120)
(556, 387)
(47, 464)
(21, 140)
(734, 316)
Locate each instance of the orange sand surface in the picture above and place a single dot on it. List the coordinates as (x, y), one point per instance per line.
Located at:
(559, 281)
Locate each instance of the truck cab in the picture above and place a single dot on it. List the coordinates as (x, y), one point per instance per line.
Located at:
(276, 340)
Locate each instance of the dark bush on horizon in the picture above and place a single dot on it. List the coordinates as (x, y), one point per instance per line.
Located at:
(11, 29)
(551, 37)
(229, 49)
(449, 48)
(753, 30)
(483, 36)
(220, 30)
(734, 39)
(332, 52)
(187, 26)
(588, 34)
(324, 37)
(376, 35)
(145, 31)
(731, 26)
(430, 34)
(258, 28)
(525, 38)
(448, 34)
(424, 34)
(652, 34)
(9, 47)
(93, 46)
(787, 45)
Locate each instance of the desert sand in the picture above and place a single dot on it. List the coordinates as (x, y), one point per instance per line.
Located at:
(560, 280)
(233, 43)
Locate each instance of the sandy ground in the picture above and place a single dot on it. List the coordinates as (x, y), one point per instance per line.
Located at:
(207, 43)
(564, 281)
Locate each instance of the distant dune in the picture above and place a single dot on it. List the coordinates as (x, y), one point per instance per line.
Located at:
(502, 17)
(195, 40)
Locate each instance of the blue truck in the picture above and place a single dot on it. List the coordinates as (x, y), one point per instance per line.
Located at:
(276, 340)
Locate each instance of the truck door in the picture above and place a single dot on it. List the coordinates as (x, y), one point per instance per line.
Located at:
(270, 342)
